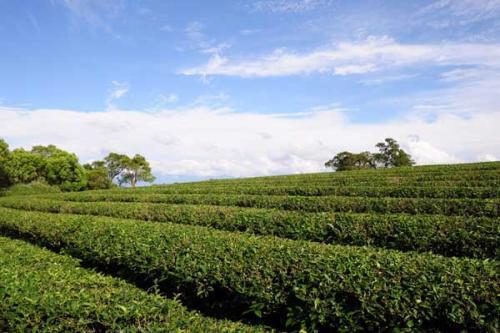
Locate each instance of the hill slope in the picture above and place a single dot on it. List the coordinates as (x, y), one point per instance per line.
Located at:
(413, 248)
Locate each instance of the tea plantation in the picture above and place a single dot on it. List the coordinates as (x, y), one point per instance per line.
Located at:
(401, 250)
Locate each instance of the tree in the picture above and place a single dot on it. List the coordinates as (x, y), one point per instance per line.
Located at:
(4, 156)
(391, 155)
(136, 169)
(46, 164)
(61, 168)
(97, 176)
(351, 161)
(98, 179)
(47, 151)
(121, 168)
(115, 164)
(22, 166)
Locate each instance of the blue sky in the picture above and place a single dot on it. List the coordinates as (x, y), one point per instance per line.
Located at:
(238, 88)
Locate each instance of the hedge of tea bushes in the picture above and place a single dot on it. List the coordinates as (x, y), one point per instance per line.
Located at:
(469, 207)
(449, 236)
(419, 169)
(41, 291)
(322, 190)
(354, 181)
(445, 169)
(375, 181)
(292, 284)
(359, 175)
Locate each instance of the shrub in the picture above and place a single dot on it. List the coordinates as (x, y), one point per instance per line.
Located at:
(450, 236)
(289, 283)
(36, 187)
(46, 292)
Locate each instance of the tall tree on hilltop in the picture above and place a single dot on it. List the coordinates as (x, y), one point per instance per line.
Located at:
(391, 155)
(116, 164)
(137, 169)
(350, 161)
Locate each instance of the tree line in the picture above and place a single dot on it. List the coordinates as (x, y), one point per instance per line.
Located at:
(54, 166)
(389, 155)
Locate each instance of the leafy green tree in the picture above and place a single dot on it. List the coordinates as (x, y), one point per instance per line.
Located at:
(46, 163)
(95, 165)
(115, 164)
(391, 155)
(64, 170)
(97, 176)
(47, 151)
(61, 168)
(136, 169)
(351, 161)
(4, 156)
(23, 166)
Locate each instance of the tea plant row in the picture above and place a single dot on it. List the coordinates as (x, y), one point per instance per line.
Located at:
(290, 284)
(469, 207)
(445, 235)
(41, 291)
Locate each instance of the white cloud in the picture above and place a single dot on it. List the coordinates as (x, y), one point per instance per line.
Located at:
(384, 79)
(170, 98)
(96, 13)
(117, 91)
(425, 153)
(288, 6)
(369, 55)
(194, 31)
(214, 142)
(213, 100)
(473, 20)
(489, 158)
(197, 39)
(460, 74)
(463, 11)
(248, 32)
(470, 90)
(354, 69)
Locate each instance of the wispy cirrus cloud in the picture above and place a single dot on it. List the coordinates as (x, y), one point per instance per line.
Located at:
(117, 90)
(196, 39)
(96, 13)
(387, 78)
(370, 55)
(468, 19)
(288, 6)
(463, 11)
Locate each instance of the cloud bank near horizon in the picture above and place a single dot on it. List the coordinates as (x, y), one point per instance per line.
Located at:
(204, 142)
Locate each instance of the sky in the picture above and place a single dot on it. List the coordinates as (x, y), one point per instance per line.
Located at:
(236, 88)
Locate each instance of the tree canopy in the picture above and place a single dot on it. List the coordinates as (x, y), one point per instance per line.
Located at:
(4, 156)
(390, 155)
(45, 163)
(136, 169)
(56, 167)
(351, 161)
(97, 176)
(120, 168)
(115, 163)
